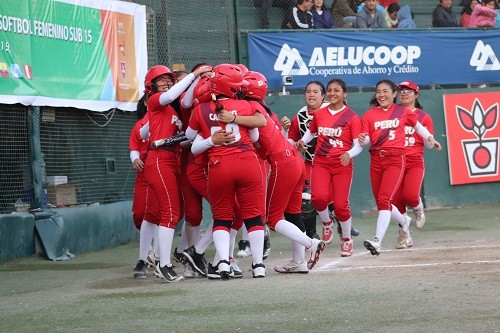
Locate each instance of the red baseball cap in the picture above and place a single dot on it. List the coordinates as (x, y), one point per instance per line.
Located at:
(408, 84)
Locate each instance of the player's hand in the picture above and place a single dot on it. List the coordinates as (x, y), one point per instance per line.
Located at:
(202, 70)
(435, 144)
(285, 123)
(362, 138)
(345, 158)
(138, 164)
(301, 146)
(222, 138)
(225, 116)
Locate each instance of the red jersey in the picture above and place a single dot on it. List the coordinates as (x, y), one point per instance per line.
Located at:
(414, 143)
(271, 141)
(136, 142)
(335, 132)
(387, 128)
(164, 121)
(205, 120)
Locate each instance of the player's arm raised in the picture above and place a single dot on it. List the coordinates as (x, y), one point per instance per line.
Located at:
(257, 120)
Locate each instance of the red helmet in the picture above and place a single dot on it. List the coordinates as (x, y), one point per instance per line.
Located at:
(202, 92)
(243, 68)
(152, 74)
(227, 79)
(257, 85)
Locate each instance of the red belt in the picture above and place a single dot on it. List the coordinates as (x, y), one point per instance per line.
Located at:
(388, 152)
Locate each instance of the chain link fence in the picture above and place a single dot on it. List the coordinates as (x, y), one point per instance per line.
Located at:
(88, 151)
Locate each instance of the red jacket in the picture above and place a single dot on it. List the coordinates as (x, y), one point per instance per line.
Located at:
(385, 3)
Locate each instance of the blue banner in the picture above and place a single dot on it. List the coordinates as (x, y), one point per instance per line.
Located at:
(361, 58)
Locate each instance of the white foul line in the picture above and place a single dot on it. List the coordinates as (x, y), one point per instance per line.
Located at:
(332, 265)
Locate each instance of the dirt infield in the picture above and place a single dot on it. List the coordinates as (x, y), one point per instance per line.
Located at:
(448, 282)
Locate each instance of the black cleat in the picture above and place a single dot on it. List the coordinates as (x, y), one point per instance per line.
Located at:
(196, 260)
(141, 270)
(166, 273)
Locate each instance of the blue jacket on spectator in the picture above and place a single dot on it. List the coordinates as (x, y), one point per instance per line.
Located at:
(404, 18)
(323, 21)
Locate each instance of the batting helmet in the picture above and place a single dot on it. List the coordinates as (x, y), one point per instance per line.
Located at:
(227, 80)
(257, 85)
(202, 92)
(243, 68)
(149, 85)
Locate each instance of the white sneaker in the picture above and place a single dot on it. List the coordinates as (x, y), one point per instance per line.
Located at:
(312, 253)
(243, 249)
(292, 267)
(189, 272)
(419, 218)
(406, 225)
(346, 247)
(258, 270)
(237, 272)
(373, 246)
(152, 259)
(404, 240)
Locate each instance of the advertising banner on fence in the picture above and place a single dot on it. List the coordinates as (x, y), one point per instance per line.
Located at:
(79, 53)
(362, 58)
(473, 136)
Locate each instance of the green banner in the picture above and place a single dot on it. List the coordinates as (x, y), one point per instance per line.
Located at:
(85, 54)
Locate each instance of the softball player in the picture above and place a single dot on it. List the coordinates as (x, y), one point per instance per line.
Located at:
(337, 128)
(162, 167)
(286, 179)
(409, 190)
(383, 126)
(233, 168)
(145, 208)
(314, 94)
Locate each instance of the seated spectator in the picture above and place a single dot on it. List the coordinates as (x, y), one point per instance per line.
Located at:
(378, 6)
(443, 16)
(391, 15)
(468, 5)
(386, 3)
(483, 15)
(405, 19)
(369, 17)
(299, 16)
(344, 13)
(322, 18)
(265, 8)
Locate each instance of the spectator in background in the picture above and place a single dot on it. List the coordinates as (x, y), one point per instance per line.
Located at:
(299, 16)
(377, 6)
(468, 6)
(391, 15)
(483, 15)
(405, 19)
(322, 18)
(443, 16)
(265, 8)
(344, 13)
(369, 17)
